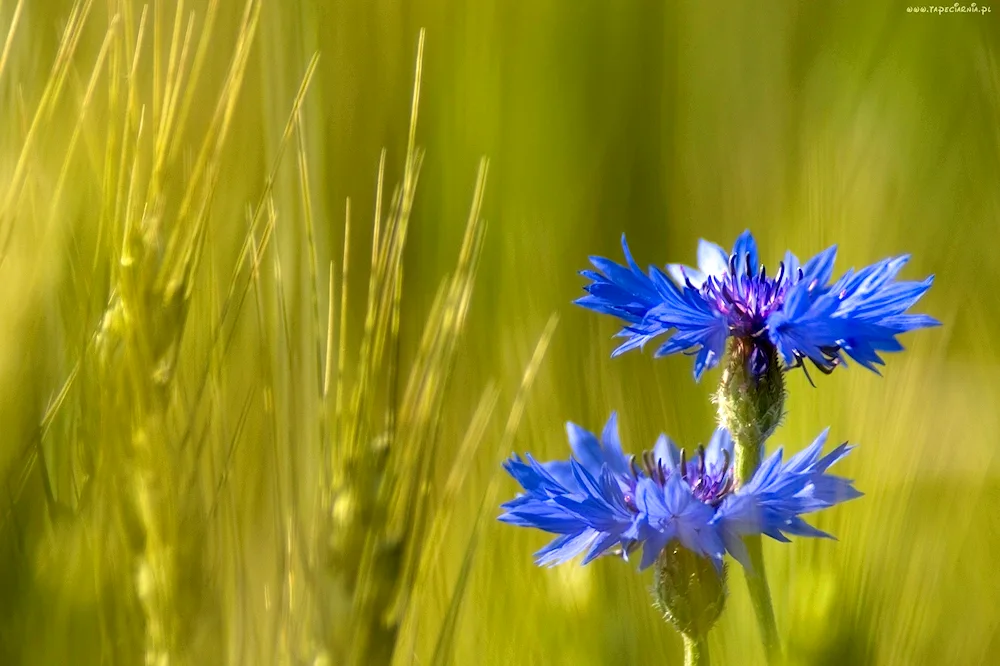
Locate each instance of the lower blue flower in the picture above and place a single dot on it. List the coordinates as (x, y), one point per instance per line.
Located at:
(601, 501)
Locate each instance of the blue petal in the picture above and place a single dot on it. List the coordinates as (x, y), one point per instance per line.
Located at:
(532, 476)
(792, 266)
(808, 456)
(735, 547)
(745, 252)
(820, 268)
(561, 471)
(682, 275)
(601, 546)
(585, 447)
(672, 510)
(712, 259)
(667, 453)
(652, 306)
(651, 549)
(719, 450)
(546, 516)
(860, 315)
(711, 351)
(611, 447)
(774, 500)
(565, 548)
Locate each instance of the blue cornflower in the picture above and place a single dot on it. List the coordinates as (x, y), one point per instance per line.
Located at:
(798, 313)
(585, 500)
(601, 501)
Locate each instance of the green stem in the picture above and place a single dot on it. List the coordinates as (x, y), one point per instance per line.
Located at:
(695, 651)
(746, 463)
(750, 407)
(760, 597)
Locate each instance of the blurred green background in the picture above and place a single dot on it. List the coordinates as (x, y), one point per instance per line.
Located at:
(809, 123)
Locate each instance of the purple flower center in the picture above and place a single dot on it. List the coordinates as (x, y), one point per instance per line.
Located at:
(746, 299)
(709, 484)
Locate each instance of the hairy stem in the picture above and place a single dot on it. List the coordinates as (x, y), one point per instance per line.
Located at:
(751, 404)
(748, 458)
(760, 597)
(695, 651)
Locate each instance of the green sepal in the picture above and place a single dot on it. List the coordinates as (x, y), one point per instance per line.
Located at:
(750, 406)
(689, 590)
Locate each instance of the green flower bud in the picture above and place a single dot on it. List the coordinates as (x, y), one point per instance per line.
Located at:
(751, 399)
(689, 590)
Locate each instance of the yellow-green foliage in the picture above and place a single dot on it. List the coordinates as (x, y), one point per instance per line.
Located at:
(254, 394)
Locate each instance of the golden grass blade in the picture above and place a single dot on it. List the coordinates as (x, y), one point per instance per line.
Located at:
(330, 318)
(84, 108)
(307, 213)
(50, 96)
(11, 31)
(446, 635)
(342, 335)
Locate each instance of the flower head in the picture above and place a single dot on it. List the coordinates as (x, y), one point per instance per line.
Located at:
(797, 313)
(600, 501)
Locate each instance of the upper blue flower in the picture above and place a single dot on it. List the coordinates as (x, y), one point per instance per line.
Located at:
(798, 312)
(601, 501)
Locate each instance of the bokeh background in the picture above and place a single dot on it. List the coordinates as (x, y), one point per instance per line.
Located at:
(853, 123)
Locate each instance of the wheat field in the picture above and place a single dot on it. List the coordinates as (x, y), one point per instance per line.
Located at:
(282, 283)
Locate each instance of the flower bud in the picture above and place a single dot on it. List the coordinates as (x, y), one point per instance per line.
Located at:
(751, 398)
(689, 589)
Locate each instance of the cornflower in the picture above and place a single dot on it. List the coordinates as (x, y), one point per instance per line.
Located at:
(601, 501)
(797, 314)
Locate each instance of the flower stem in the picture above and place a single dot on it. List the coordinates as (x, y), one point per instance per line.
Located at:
(751, 405)
(746, 463)
(760, 597)
(695, 651)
